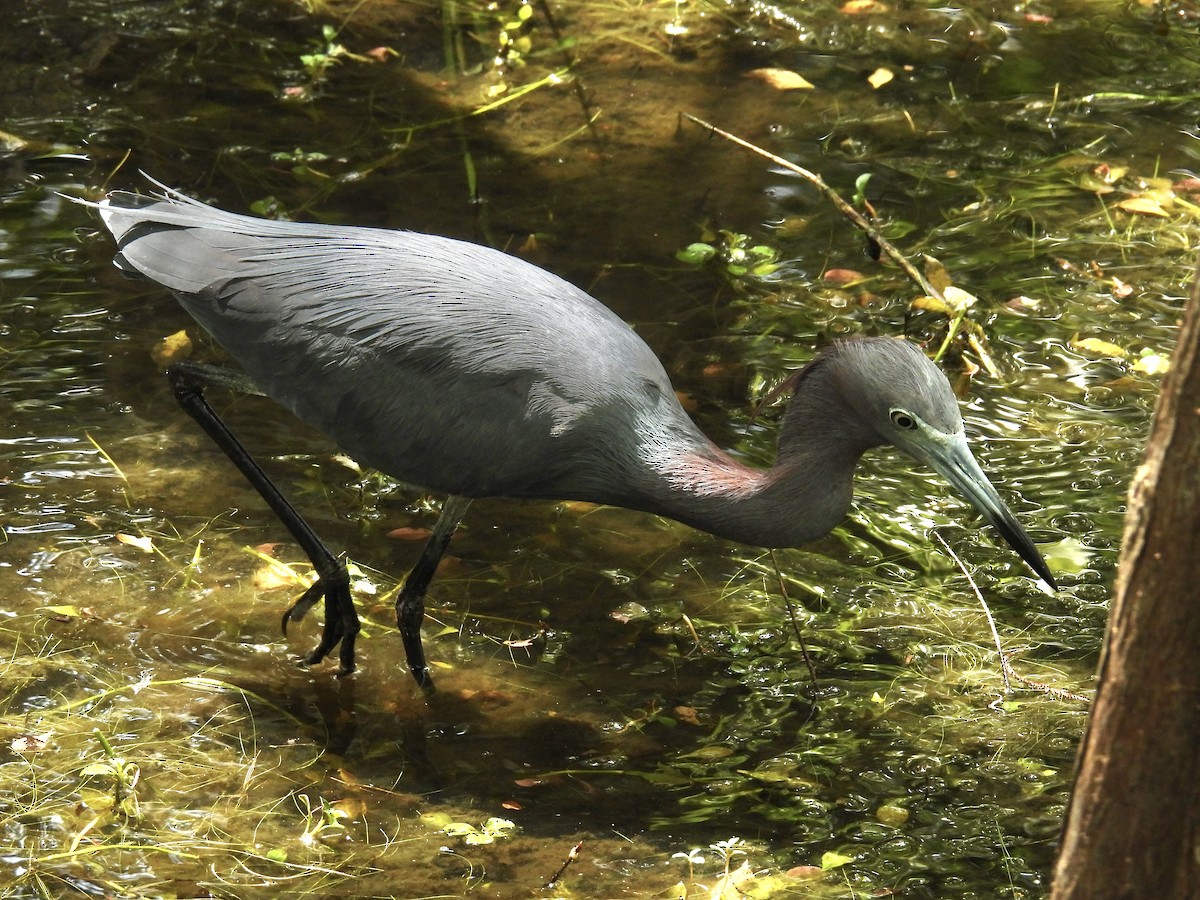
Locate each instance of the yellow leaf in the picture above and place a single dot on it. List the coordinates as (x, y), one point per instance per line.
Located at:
(171, 349)
(1152, 363)
(880, 77)
(932, 304)
(279, 575)
(832, 860)
(958, 298)
(1098, 347)
(1143, 205)
(782, 79)
(861, 7)
(143, 543)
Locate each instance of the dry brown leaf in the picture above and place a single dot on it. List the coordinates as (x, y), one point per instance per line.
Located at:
(805, 872)
(687, 715)
(350, 808)
(30, 743)
(842, 276)
(936, 272)
(381, 54)
(409, 533)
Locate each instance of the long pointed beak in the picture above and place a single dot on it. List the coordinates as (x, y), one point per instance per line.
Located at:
(953, 460)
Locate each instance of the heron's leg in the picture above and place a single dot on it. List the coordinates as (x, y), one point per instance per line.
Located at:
(188, 380)
(410, 605)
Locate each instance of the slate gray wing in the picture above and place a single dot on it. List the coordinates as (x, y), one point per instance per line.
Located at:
(430, 358)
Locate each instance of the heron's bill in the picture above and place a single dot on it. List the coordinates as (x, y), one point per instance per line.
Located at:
(954, 461)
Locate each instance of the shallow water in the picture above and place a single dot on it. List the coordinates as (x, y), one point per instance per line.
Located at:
(605, 676)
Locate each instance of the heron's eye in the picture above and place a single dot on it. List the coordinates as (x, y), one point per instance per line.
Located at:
(902, 419)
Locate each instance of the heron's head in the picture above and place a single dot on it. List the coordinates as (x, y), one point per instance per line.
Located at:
(899, 397)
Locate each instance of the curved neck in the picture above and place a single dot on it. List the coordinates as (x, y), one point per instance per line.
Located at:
(802, 497)
(795, 501)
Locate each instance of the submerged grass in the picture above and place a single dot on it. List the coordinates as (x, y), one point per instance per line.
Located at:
(630, 695)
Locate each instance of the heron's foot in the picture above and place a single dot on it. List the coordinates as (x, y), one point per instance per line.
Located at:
(341, 619)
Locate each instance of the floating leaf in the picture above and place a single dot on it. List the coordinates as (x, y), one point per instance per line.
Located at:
(805, 872)
(933, 304)
(880, 77)
(1152, 363)
(97, 801)
(274, 574)
(782, 79)
(348, 808)
(499, 827)
(863, 7)
(958, 298)
(1021, 303)
(30, 743)
(832, 860)
(171, 349)
(409, 533)
(890, 814)
(710, 753)
(696, 254)
(1121, 289)
(1098, 347)
(142, 542)
(842, 276)
(1145, 206)
(64, 612)
(1091, 182)
(937, 273)
(380, 54)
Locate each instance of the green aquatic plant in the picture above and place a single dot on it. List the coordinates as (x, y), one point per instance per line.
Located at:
(735, 254)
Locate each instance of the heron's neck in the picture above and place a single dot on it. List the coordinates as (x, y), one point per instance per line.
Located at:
(802, 497)
(799, 499)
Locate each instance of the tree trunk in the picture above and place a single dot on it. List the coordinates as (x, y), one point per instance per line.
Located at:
(1133, 822)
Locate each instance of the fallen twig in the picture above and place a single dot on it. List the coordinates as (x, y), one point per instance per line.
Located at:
(856, 218)
(1006, 669)
(566, 862)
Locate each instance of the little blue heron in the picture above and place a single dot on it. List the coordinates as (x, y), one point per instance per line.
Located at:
(472, 373)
